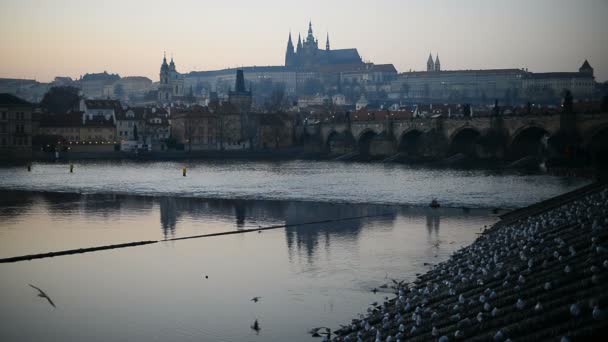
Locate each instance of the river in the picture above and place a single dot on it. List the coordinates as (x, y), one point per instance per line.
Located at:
(307, 275)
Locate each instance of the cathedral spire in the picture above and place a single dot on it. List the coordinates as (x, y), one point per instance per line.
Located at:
(299, 47)
(430, 65)
(289, 54)
(310, 37)
(327, 42)
(437, 64)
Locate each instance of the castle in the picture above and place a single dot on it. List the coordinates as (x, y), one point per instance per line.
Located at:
(307, 54)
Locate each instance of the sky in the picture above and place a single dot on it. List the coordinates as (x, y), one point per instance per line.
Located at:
(42, 39)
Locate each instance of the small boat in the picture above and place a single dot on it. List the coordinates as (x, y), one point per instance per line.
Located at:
(434, 204)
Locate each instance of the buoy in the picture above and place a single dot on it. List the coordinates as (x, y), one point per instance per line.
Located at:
(184, 171)
(71, 168)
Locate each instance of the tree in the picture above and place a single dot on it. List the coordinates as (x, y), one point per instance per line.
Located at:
(60, 100)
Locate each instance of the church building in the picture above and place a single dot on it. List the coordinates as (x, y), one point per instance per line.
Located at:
(307, 55)
(171, 85)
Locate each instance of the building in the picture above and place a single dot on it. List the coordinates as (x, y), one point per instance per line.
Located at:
(157, 131)
(196, 128)
(15, 127)
(95, 109)
(130, 87)
(273, 130)
(96, 85)
(67, 126)
(308, 55)
(510, 86)
(130, 125)
(171, 87)
(550, 85)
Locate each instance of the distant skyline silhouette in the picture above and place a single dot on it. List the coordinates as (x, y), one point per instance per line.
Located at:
(44, 39)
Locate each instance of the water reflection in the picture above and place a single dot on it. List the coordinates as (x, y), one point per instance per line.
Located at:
(433, 220)
(192, 216)
(306, 237)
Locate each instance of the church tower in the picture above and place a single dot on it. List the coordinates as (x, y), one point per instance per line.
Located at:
(164, 89)
(327, 42)
(437, 64)
(289, 54)
(430, 65)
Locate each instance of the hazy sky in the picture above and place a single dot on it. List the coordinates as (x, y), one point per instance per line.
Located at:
(41, 39)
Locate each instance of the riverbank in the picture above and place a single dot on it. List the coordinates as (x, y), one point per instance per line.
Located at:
(538, 274)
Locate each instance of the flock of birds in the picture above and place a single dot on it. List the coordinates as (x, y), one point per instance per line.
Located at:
(542, 277)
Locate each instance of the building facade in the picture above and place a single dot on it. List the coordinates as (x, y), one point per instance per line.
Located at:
(171, 87)
(15, 127)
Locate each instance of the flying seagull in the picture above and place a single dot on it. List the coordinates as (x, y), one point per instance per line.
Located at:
(255, 299)
(42, 294)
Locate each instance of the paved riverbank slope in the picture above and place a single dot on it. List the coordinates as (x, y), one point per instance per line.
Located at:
(539, 274)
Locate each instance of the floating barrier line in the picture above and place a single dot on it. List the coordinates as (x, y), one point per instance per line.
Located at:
(75, 251)
(142, 243)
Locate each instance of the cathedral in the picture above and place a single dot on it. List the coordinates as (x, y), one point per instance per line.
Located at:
(171, 82)
(307, 54)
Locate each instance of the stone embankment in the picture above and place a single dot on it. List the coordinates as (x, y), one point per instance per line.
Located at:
(541, 273)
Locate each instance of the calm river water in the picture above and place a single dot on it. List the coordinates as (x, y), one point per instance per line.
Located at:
(307, 275)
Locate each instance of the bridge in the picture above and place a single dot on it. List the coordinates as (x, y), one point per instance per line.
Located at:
(504, 137)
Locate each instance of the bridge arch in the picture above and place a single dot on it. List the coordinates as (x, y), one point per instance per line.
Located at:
(364, 141)
(409, 142)
(529, 140)
(339, 142)
(464, 140)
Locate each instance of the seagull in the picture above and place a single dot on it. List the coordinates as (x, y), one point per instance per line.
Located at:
(42, 294)
(255, 299)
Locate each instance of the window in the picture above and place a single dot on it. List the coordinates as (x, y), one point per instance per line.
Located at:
(3, 141)
(3, 115)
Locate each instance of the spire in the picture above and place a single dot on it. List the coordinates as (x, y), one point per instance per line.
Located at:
(239, 85)
(310, 37)
(430, 65)
(437, 63)
(172, 64)
(164, 67)
(289, 52)
(289, 43)
(299, 47)
(327, 42)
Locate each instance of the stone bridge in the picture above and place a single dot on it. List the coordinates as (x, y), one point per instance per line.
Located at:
(493, 136)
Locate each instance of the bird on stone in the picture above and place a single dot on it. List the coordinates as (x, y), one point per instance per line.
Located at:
(575, 310)
(256, 326)
(42, 294)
